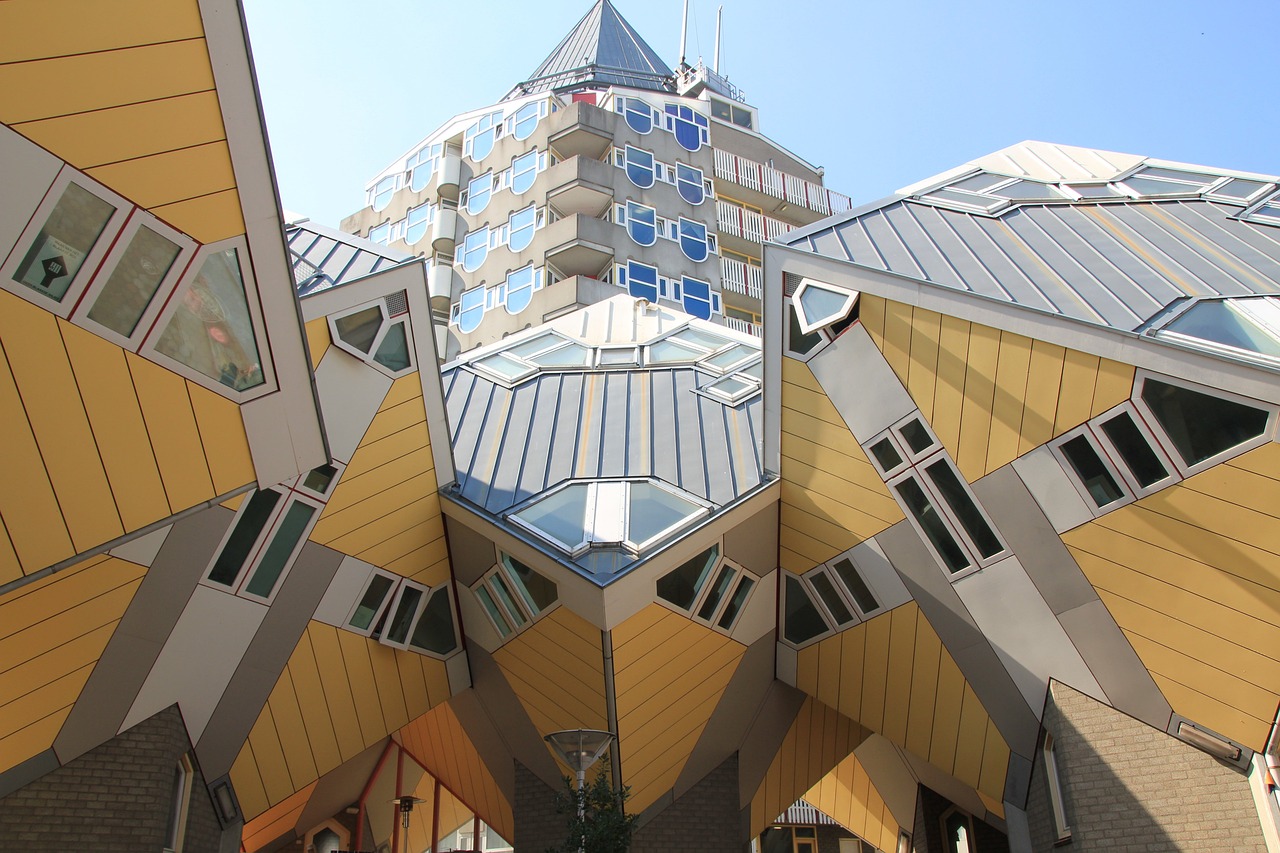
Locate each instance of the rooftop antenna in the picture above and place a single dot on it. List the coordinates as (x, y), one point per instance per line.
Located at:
(684, 31)
(716, 65)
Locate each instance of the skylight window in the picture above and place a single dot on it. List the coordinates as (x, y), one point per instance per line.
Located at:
(1247, 327)
(818, 304)
(1159, 181)
(629, 516)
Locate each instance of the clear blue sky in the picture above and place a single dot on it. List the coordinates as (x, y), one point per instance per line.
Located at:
(882, 94)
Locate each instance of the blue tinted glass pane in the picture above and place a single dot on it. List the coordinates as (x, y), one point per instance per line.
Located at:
(471, 310)
(474, 249)
(416, 223)
(697, 298)
(1217, 321)
(642, 281)
(641, 223)
(639, 116)
(421, 175)
(523, 172)
(482, 145)
(519, 290)
(689, 183)
(526, 121)
(522, 226)
(381, 233)
(640, 167)
(688, 134)
(478, 193)
(693, 240)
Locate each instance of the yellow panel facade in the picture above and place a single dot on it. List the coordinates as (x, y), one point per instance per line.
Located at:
(439, 741)
(990, 395)
(87, 26)
(339, 694)
(818, 740)
(174, 433)
(669, 673)
(832, 497)
(52, 632)
(1189, 574)
(276, 821)
(893, 675)
(556, 667)
(848, 796)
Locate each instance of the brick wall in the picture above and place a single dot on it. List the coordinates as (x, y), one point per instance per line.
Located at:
(1128, 786)
(706, 818)
(538, 826)
(113, 799)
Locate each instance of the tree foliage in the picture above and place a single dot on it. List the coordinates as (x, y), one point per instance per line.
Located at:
(604, 827)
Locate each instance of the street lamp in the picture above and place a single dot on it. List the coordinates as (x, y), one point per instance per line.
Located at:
(579, 749)
(405, 806)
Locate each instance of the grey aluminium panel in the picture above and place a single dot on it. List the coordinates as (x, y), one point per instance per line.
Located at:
(265, 657)
(120, 673)
(1115, 664)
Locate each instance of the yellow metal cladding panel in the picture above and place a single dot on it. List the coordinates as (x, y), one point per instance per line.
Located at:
(385, 509)
(88, 26)
(52, 632)
(318, 340)
(556, 667)
(207, 218)
(847, 795)
(339, 694)
(174, 433)
(818, 740)
(171, 177)
(223, 435)
(893, 675)
(669, 673)
(275, 821)
(438, 741)
(1190, 575)
(832, 497)
(990, 396)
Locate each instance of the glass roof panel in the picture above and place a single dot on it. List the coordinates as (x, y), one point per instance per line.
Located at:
(1239, 188)
(654, 509)
(503, 365)
(560, 516)
(700, 338)
(731, 356)
(1022, 190)
(1096, 190)
(571, 355)
(537, 343)
(668, 351)
(979, 183)
(1178, 175)
(980, 202)
(1148, 186)
(1221, 322)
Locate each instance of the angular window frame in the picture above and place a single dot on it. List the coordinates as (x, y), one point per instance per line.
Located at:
(248, 279)
(387, 322)
(381, 193)
(187, 249)
(480, 187)
(380, 611)
(93, 258)
(810, 325)
(426, 595)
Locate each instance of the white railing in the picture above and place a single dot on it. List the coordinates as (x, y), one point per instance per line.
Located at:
(770, 181)
(739, 277)
(754, 329)
(747, 224)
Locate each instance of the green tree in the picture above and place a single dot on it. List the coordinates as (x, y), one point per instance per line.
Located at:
(604, 827)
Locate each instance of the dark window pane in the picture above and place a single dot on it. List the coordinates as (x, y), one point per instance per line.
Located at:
(802, 621)
(886, 454)
(1200, 425)
(372, 599)
(966, 511)
(434, 631)
(281, 549)
(718, 590)
(835, 605)
(393, 352)
(933, 525)
(799, 342)
(540, 591)
(916, 436)
(681, 586)
(862, 595)
(503, 592)
(319, 479)
(242, 539)
(1102, 487)
(490, 606)
(734, 607)
(1134, 449)
(398, 629)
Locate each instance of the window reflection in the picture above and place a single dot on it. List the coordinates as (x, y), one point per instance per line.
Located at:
(68, 235)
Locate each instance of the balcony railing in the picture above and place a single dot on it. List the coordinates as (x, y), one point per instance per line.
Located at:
(738, 277)
(770, 181)
(747, 224)
(754, 329)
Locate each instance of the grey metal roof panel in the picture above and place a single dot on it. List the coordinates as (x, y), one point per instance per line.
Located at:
(1114, 264)
(511, 444)
(602, 48)
(324, 257)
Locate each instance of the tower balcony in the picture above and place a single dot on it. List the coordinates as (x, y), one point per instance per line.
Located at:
(765, 186)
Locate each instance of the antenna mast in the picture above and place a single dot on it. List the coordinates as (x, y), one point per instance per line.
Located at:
(716, 65)
(684, 31)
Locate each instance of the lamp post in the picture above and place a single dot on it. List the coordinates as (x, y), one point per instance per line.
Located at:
(579, 749)
(405, 806)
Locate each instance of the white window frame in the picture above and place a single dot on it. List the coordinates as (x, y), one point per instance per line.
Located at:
(250, 282)
(736, 577)
(381, 609)
(913, 467)
(847, 593)
(783, 591)
(388, 321)
(850, 299)
(1061, 828)
(186, 252)
(93, 258)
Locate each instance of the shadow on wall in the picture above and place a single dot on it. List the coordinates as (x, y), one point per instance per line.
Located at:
(1127, 786)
